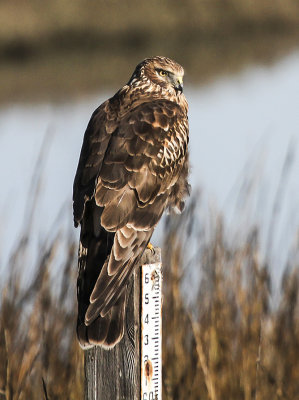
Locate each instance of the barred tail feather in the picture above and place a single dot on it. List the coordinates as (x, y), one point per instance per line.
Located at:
(94, 249)
(107, 330)
(104, 331)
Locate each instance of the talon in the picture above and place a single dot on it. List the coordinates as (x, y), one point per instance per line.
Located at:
(151, 247)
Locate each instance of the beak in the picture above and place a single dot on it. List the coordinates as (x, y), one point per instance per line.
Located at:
(179, 84)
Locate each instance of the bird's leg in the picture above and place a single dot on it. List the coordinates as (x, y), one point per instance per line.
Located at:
(151, 247)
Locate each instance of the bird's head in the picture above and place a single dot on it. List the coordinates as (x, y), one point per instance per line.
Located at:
(161, 71)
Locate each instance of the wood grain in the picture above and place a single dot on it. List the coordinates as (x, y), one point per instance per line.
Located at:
(115, 374)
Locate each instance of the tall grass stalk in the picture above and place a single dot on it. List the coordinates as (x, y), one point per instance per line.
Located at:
(229, 345)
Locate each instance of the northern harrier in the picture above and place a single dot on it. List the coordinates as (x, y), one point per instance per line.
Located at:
(133, 165)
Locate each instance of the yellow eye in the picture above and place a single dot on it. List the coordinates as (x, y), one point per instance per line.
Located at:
(162, 73)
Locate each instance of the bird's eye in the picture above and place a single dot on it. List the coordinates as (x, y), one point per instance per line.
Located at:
(162, 73)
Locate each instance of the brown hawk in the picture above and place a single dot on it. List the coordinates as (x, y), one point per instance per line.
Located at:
(133, 165)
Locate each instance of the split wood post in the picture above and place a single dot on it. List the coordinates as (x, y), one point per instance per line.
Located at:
(115, 374)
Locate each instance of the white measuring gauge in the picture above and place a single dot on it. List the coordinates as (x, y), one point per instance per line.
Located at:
(151, 332)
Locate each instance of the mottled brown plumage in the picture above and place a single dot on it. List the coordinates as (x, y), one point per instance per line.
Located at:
(133, 165)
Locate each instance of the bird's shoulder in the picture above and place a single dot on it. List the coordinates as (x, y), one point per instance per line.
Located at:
(123, 137)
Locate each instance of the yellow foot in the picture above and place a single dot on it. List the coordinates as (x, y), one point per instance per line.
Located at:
(151, 247)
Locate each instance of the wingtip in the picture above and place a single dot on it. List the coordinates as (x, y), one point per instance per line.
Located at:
(104, 331)
(90, 336)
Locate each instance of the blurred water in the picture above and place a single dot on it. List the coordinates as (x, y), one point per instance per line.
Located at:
(240, 130)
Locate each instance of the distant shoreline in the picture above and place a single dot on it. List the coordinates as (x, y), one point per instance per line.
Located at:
(58, 51)
(60, 76)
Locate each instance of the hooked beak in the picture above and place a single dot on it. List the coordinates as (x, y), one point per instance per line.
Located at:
(179, 84)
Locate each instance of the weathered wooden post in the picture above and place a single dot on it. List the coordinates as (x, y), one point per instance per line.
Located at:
(116, 374)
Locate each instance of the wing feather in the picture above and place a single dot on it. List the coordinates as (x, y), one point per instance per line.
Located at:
(118, 211)
(95, 142)
(122, 168)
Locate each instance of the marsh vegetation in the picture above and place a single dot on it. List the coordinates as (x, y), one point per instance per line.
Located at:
(230, 344)
(235, 338)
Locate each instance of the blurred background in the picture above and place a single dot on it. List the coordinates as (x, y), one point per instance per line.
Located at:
(58, 61)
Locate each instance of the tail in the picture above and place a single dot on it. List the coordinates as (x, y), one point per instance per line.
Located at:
(94, 249)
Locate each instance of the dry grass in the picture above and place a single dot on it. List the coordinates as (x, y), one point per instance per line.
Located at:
(38, 350)
(230, 345)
